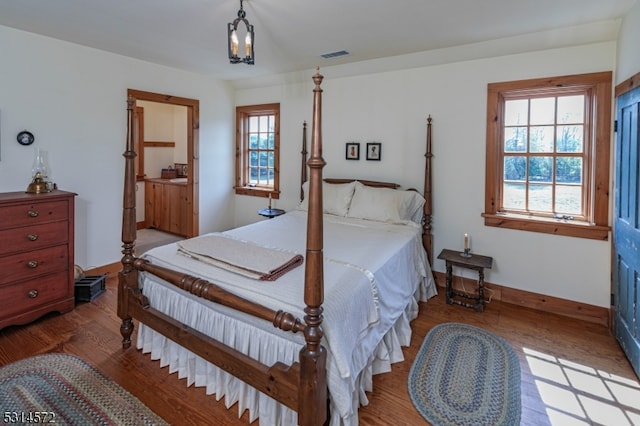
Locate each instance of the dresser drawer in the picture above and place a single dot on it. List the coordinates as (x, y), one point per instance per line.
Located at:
(33, 237)
(37, 262)
(29, 295)
(33, 213)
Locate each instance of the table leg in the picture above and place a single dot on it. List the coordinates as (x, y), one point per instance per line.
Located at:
(448, 283)
(480, 304)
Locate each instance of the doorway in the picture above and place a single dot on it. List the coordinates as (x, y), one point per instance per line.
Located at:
(192, 106)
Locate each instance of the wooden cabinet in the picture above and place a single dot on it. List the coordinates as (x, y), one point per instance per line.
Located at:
(36, 255)
(166, 206)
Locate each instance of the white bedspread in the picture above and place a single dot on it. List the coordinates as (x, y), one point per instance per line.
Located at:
(373, 274)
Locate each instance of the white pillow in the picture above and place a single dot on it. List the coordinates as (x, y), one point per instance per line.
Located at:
(336, 197)
(385, 204)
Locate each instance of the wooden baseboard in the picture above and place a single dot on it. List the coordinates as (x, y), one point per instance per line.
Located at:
(540, 302)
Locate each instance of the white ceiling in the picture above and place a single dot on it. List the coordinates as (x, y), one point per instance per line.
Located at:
(292, 34)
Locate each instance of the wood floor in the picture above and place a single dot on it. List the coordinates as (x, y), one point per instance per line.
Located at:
(573, 372)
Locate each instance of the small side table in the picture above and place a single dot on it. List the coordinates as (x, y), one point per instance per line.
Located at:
(475, 262)
(270, 213)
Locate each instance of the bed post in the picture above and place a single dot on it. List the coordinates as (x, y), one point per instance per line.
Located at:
(303, 172)
(127, 278)
(428, 205)
(312, 393)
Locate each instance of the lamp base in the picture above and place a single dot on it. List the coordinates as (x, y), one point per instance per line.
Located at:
(39, 186)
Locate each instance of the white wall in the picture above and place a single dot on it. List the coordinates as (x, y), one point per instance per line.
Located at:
(628, 52)
(392, 107)
(73, 99)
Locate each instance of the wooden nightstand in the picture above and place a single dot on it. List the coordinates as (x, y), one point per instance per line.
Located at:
(475, 262)
(270, 213)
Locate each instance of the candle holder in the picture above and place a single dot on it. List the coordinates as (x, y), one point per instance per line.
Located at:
(466, 253)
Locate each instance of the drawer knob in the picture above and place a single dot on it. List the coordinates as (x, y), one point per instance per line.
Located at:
(32, 264)
(33, 294)
(33, 213)
(32, 237)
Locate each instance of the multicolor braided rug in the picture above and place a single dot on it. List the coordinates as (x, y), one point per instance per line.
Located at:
(64, 390)
(466, 376)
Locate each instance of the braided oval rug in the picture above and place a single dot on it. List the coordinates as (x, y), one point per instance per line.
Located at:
(464, 375)
(63, 389)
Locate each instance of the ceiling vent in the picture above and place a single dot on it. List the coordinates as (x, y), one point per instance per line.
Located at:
(335, 54)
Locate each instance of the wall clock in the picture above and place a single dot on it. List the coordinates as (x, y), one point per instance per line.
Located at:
(25, 138)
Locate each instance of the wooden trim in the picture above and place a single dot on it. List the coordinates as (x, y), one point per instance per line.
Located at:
(628, 85)
(241, 162)
(540, 302)
(548, 226)
(596, 200)
(193, 135)
(158, 144)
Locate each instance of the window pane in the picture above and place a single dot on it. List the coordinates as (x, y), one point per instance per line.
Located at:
(253, 141)
(271, 156)
(515, 168)
(571, 109)
(263, 141)
(540, 169)
(541, 139)
(569, 170)
(253, 159)
(253, 123)
(264, 158)
(515, 139)
(264, 123)
(516, 112)
(568, 199)
(570, 138)
(513, 196)
(253, 175)
(540, 198)
(543, 111)
(271, 143)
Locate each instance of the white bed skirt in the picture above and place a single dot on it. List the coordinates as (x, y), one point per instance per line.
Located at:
(267, 348)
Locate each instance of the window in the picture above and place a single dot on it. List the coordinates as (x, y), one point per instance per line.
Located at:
(258, 150)
(547, 166)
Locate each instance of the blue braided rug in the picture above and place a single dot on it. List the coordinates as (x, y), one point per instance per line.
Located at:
(464, 375)
(63, 389)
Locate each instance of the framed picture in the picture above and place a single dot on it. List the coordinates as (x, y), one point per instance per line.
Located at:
(374, 151)
(353, 151)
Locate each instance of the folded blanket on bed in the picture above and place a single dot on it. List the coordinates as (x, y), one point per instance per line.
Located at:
(241, 257)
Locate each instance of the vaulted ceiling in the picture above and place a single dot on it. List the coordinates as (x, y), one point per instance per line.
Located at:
(292, 34)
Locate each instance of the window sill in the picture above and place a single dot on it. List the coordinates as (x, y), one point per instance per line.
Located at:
(257, 192)
(547, 226)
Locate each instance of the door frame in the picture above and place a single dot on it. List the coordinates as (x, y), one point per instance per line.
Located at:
(193, 126)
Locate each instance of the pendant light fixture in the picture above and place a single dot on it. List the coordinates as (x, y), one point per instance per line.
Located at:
(249, 40)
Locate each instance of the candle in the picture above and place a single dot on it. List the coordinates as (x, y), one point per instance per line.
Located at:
(247, 45)
(466, 241)
(269, 201)
(234, 43)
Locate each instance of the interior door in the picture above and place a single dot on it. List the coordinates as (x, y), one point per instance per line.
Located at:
(626, 240)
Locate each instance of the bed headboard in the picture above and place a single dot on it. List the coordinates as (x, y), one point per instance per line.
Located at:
(427, 238)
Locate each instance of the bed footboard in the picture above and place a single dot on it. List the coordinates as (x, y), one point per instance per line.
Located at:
(301, 386)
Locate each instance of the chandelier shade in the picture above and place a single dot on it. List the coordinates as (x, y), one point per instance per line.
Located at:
(233, 40)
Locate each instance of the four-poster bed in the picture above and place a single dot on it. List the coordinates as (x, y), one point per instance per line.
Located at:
(358, 301)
